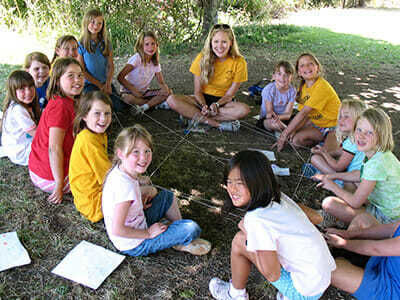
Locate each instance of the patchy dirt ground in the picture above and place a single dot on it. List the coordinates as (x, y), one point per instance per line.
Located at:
(192, 166)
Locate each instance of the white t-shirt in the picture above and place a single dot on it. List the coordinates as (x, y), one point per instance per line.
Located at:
(120, 187)
(15, 141)
(141, 76)
(301, 249)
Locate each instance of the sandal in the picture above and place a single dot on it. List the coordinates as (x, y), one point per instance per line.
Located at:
(196, 247)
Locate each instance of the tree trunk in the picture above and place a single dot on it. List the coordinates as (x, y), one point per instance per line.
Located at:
(210, 15)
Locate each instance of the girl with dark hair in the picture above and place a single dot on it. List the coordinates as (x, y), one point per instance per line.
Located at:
(275, 236)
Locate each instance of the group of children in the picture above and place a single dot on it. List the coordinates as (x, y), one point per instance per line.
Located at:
(56, 123)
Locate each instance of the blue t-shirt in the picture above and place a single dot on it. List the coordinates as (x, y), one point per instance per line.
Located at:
(96, 62)
(358, 158)
(381, 279)
(279, 100)
(41, 93)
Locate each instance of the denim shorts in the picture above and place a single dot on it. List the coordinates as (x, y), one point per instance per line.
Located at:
(378, 214)
(180, 232)
(285, 285)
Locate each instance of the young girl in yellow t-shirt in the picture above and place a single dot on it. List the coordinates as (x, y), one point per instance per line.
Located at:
(218, 72)
(89, 161)
(318, 106)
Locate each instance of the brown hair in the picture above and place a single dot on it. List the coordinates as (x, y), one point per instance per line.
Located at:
(38, 56)
(139, 47)
(59, 67)
(302, 81)
(85, 105)
(16, 80)
(287, 66)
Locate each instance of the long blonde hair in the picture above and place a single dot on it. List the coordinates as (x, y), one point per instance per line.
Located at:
(356, 108)
(208, 56)
(139, 47)
(382, 125)
(302, 81)
(16, 80)
(103, 35)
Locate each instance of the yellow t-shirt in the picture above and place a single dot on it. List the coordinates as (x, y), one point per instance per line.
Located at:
(323, 100)
(88, 167)
(225, 73)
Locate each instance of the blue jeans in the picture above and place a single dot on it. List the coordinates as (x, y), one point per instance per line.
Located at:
(285, 285)
(180, 232)
(118, 104)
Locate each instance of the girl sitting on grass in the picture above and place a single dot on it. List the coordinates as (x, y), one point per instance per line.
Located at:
(133, 209)
(347, 158)
(379, 176)
(218, 72)
(318, 106)
(275, 236)
(138, 73)
(20, 119)
(89, 162)
(52, 144)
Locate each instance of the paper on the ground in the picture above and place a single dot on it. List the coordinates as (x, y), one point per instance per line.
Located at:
(257, 117)
(269, 154)
(88, 264)
(278, 171)
(12, 253)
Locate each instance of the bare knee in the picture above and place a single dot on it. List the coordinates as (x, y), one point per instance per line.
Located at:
(172, 101)
(362, 221)
(328, 203)
(239, 243)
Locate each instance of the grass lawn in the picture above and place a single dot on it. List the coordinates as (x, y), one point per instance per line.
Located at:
(357, 67)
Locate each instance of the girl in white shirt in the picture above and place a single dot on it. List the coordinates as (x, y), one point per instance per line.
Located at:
(138, 73)
(275, 236)
(21, 116)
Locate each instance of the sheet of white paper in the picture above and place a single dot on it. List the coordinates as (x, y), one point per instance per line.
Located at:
(12, 253)
(88, 264)
(257, 117)
(269, 154)
(278, 171)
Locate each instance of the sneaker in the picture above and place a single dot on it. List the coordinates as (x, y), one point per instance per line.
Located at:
(219, 289)
(330, 221)
(280, 296)
(196, 247)
(308, 170)
(229, 126)
(163, 105)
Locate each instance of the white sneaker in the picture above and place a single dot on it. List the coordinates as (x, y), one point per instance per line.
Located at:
(163, 105)
(219, 289)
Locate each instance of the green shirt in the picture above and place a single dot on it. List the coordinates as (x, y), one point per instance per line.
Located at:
(384, 168)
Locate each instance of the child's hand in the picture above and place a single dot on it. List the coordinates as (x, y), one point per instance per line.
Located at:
(156, 229)
(214, 109)
(342, 233)
(204, 110)
(327, 184)
(335, 240)
(57, 195)
(281, 142)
